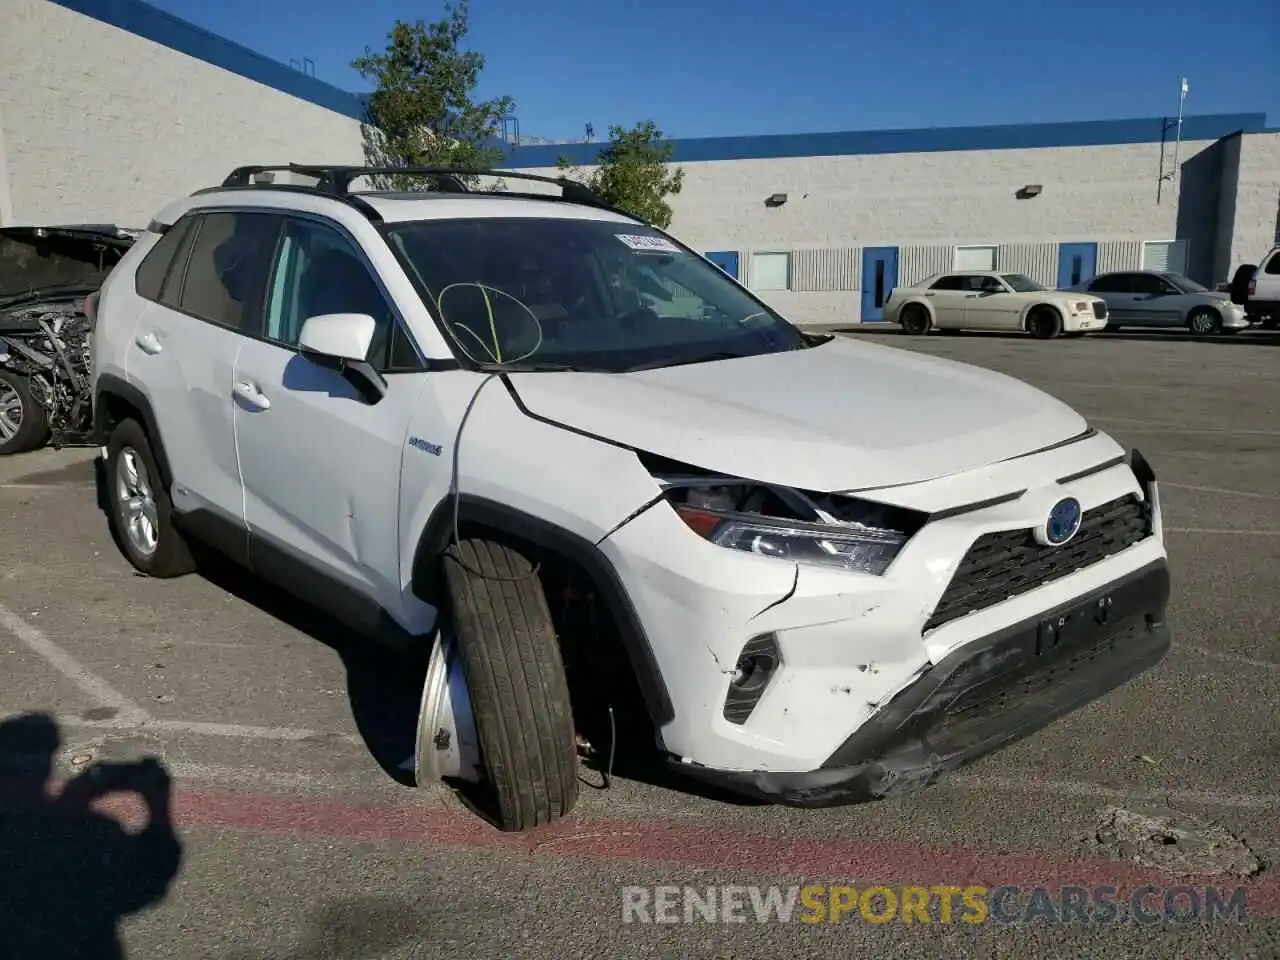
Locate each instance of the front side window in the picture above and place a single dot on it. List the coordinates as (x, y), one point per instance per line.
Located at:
(318, 271)
(588, 293)
(1150, 283)
(1022, 284)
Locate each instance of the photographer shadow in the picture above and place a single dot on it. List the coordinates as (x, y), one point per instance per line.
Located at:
(71, 873)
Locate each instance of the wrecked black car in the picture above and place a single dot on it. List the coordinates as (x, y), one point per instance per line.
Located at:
(47, 276)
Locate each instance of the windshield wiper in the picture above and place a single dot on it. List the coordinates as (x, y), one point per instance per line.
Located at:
(680, 361)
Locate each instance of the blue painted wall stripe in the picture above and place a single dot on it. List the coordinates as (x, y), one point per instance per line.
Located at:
(154, 24)
(935, 139)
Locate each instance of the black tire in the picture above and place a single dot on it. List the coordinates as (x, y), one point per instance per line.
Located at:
(915, 320)
(171, 557)
(1044, 323)
(33, 423)
(1203, 321)
(516, 681)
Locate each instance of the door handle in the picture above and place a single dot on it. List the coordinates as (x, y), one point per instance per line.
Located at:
(148, 343)
(251, 395)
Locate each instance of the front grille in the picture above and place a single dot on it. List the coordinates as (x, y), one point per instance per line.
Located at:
(1003, 565)
(1099, 310)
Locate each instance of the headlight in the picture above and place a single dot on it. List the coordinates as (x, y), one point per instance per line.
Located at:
(1081, 306)
(827, 529)
(843, 546)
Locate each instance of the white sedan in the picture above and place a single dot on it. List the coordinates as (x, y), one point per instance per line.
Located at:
(991, 300)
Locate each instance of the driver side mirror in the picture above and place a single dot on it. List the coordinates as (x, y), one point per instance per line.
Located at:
(341, 342)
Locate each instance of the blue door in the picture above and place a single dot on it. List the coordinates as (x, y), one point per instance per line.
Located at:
(879, 277)
(1077, 263)
(726, 260)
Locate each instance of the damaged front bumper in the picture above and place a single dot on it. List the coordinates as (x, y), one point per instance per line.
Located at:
(985, 695)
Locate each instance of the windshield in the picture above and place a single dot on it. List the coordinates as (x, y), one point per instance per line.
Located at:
(1185, 284)
(590, 294)
(1020, 283)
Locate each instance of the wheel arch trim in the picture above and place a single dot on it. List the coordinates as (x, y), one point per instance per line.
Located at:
(438, 532)
(111, 386)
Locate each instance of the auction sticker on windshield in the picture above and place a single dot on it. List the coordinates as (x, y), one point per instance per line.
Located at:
(648, 244)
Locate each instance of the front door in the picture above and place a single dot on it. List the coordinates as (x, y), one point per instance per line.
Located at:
(1077, 263)
(321, 466)
(879, 277)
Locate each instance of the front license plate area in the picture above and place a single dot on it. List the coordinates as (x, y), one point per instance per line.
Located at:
(1072, 627)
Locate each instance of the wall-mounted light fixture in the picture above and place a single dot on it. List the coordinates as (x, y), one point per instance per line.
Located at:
(264, 176)
(1029, 191)
(775, 200)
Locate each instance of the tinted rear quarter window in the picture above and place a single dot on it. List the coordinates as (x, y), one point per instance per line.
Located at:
(226, 276)
(949, 283)
(150, 278)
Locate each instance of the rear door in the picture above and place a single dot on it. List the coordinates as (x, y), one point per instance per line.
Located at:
(1117, 290)
(184, 351)
(947, 297)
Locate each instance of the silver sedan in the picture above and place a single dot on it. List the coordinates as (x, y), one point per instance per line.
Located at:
(1146, 298)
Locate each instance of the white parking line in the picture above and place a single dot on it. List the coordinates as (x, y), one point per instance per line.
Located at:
(102, 693)
(1220, 490)
(1156, 426)
(1223, 531)
(1231, 658)
(234, 731)
(1095, 791)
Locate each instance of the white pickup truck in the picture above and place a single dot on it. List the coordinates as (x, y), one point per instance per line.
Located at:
(1263, 303)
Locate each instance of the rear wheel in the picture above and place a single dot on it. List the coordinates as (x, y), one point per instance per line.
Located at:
(1044, 323)
(139, 509)
(516, 682)
(1204, 320)
(915, 320)
(23, 423)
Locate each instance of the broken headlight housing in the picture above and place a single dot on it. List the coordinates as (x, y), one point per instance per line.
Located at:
(825, 529)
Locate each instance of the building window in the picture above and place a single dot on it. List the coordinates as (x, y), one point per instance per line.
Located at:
(771, 271)
(1165, 256)
(975, 258)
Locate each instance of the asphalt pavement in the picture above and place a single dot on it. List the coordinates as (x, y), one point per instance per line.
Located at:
(290, 832)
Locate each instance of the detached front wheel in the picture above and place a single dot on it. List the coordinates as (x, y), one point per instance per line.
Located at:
(516, 682)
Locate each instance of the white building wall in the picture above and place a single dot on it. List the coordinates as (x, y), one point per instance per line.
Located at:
(926, 204)
(99, 125)
(1256, 226)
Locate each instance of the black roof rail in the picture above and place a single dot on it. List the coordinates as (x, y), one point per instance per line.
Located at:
(336, 180)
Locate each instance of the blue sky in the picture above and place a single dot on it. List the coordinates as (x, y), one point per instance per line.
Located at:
(740, 67)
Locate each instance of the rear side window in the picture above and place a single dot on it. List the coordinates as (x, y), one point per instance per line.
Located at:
(155, 266)
(227, 272)
(1112, 283)
(949, 283)
(1273, 265)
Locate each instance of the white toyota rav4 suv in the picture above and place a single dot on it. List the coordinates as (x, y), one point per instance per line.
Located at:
(612, 496)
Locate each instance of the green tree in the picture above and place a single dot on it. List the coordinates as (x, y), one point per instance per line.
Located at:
(422, 111)
(633, 174)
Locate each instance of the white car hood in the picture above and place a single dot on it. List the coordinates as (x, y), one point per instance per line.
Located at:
(842, 416)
